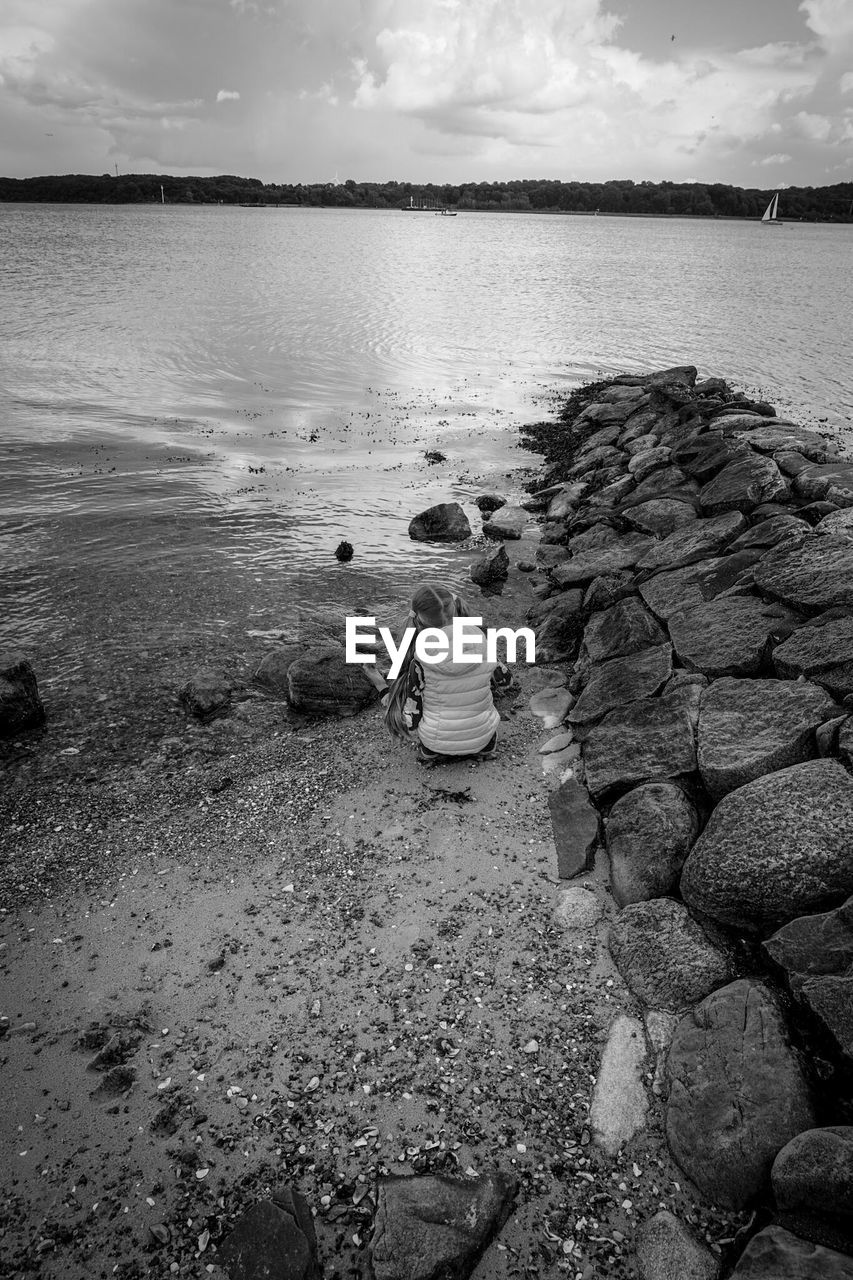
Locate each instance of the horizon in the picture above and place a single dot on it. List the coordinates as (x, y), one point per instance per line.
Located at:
(756, 96)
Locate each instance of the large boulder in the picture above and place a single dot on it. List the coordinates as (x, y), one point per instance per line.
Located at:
(737, 1093)
(667, 482)
(814, 576)
(703, 456)
(271, 675)
(559, 628)
(748, 728)
(322, 682)
(433, 1227)
(789, 529)
(507, 523)
(626, 627)
(812, 1180)
(678, 590)
(785, 436)
(649, 833)
(729, 636)
(20, 704)
(775, 849)
(648, 740)
(832, 482)
(693, 542)
(622, 681)
(664, 956)
(206, 695)
(589, 564)
(814, 945)
(661, 516)
(446, 522)
(274, 1239)
(822, 650)
(743, 485)
(777, 1254)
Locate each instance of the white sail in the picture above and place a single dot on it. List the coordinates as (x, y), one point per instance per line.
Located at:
(770, 213)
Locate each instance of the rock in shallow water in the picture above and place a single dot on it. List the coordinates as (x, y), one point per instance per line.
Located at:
(445, 522)
(775, 849)
(737, 1093)
(20, 704)
(322, 682)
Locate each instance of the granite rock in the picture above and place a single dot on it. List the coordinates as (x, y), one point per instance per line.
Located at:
(574, 823)
(668, 1249)
(21, 706)
(822, 650)
(649, 740)
(445, 522)
(729, 636)
(621, 681)
(812, 1179)
(272, 1239)
(664, 957)
(507, 523)
(748, 728)
(743, 484)
(777, 1254)
(649, 832)
(693, 542)
(661, 516)
(322, 682)
(775, 849)
(737, 1093)
(626, 627)
(815, 576)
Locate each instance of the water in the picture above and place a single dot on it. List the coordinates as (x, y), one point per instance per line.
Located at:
(197, 404)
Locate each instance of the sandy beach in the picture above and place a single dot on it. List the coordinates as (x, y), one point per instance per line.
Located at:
(306, 960)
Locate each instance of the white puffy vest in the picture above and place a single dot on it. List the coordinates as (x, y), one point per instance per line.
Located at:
(459, 716)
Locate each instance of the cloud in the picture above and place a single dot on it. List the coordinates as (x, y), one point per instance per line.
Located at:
(815, 127)
(845, 84)
(831, 20)
(227, 95)
(778, 158)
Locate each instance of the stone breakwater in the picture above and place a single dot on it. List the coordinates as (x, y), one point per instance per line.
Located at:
(697, 573)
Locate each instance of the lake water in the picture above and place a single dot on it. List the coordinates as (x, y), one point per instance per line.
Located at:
(198, 404)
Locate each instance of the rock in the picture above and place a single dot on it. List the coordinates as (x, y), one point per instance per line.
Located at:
(731, 574)
(619, 1102)
(557, 743)
(562, 762)
(552, 704)
(821, 650)
(446, 522)
(577, 908)
(548, 555)
(729, 636)
(649, 833)
(20, 704)
(322, 682)
(490, 502)
(737, 1094)
(649, 740)
(639, 444)
(614, 493)
(661, 516)
(775, 849)
(643, 464)
(667, 1249)
(680, 590)
(837, 522)
(206, 695)
(625, 627)
(831, 482)
(703, 456)
(271, 674)
(272, 1240)
(599, 534)
(791, 464)
(694, 542)
(776, 1254)
(507, 523)
(490, 572)
(812, 1180)
(730, 421)
(621, 681)
(563, 504)
(558, 636)
(769, 533)
(664, 956)
(748, 728)
(770, 438)
(667, 482)
(830, 999)
(433, 1227)
(607, 590)
(574, 823)
(590, 564)
(814, 944)
(813, 577)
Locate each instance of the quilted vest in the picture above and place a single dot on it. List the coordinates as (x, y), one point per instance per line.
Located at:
(459, 716)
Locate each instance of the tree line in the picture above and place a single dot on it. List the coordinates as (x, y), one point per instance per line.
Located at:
(696, 199)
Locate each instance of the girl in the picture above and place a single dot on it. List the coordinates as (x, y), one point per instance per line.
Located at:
(447, 705)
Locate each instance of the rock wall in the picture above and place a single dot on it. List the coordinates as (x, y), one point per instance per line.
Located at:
(696, 568)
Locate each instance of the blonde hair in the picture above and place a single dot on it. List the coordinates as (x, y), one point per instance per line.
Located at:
(433, 605)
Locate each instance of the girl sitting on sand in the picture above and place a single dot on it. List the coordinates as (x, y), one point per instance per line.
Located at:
(447, 705)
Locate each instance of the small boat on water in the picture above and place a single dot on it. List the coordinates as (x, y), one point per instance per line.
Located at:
(770, 217)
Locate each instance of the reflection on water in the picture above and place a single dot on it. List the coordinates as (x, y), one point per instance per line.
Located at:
(197, 405)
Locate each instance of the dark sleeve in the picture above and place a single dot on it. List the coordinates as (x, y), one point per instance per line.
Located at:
(413, 707)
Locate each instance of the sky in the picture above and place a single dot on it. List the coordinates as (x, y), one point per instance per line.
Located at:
(756, 93)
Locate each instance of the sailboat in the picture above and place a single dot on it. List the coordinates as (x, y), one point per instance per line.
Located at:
(770, 217)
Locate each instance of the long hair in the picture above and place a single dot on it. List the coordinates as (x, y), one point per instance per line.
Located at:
(436, 606)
